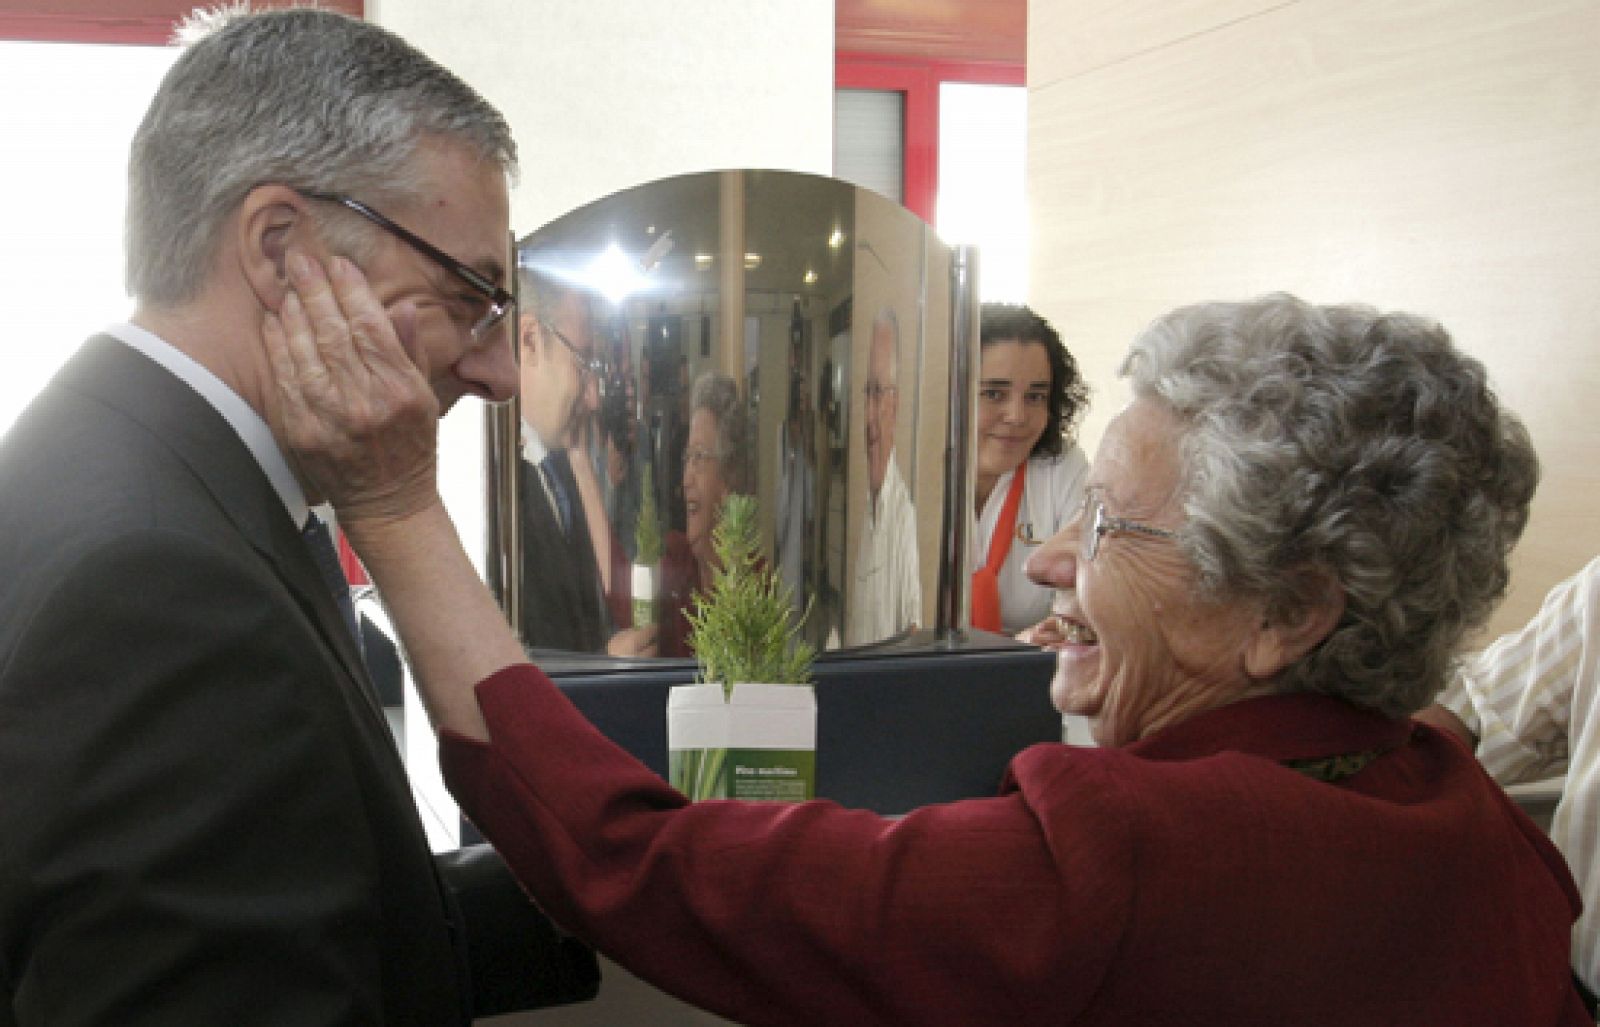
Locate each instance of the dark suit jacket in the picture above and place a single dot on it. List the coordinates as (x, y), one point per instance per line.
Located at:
(203, 817)
(562, 607)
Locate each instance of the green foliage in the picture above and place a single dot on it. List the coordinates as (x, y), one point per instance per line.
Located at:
(744, 629)
(647, 530)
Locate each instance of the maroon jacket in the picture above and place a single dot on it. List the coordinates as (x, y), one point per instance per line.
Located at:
(1189, 878)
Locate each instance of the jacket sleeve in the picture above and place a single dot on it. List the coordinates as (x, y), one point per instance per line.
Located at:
(519, 959)
(794, 913)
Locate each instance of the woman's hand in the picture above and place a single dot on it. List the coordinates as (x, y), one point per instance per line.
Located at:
(349, 401)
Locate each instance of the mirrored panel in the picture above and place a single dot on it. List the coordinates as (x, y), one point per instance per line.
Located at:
(782, 335)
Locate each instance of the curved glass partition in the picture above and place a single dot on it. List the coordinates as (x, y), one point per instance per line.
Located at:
(788, 336)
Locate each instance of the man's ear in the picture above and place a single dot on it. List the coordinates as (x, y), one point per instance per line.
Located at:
(271, 219)
(1282, 639)
(527, 338)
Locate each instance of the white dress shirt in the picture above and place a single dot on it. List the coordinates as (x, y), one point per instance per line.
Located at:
(885, 584)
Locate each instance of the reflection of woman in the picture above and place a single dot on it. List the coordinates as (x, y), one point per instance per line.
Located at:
(1030, 471)
(1287, 533)
(713, 462)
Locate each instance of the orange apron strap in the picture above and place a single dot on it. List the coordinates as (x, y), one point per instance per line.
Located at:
(986, 579)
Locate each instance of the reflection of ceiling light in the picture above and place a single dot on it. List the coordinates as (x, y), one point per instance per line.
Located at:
(836, 239)
(702, 261)
(811, 277)
(649, 229)
(752, 261)
(613, 275)
(658, 249)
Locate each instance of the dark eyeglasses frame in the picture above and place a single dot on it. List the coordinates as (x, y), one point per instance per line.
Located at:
(589, 365)
(500, 300)
(1097, 524)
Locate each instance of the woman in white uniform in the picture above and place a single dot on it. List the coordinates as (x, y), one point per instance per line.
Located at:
(1031, 472)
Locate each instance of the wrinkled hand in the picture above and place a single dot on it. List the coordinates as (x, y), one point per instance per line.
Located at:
(349, 401)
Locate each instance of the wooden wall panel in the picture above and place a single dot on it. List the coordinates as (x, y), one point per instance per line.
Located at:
(1441, 156)
(1068, 39)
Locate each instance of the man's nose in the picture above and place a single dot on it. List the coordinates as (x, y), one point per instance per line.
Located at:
(492, 367)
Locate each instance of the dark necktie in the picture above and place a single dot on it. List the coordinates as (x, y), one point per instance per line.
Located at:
(551, 466)
(320, 541)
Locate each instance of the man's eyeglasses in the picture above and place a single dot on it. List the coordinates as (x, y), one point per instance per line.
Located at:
(587, 364)
(1097, 524)
(497, 301)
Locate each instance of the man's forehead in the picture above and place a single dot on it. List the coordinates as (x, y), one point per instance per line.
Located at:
(569, 311)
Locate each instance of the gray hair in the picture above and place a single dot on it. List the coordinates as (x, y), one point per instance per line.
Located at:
(311, 99)
(540, 292)
(1358, 443)
(718, 394)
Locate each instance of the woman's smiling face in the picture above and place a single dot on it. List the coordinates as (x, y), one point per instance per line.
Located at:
(1143, 651)
(704, 487)
(1013, 404)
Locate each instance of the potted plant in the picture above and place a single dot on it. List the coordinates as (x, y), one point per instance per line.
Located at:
(647, 553)
(748, 729)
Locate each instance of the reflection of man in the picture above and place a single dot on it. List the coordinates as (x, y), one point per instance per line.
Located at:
(886, 590)
(796, 498)
(563, 604)
(204, 818)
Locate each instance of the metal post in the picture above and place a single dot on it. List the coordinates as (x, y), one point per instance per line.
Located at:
(955, 585)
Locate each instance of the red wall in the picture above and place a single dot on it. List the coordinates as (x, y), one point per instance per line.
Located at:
(911, 46)
(144, 22)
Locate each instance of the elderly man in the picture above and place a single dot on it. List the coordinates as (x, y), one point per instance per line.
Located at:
(885, 587)
(205, 820)
(564, 603)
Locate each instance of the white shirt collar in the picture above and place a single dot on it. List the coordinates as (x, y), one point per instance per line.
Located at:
(533, 448)
(246, 423)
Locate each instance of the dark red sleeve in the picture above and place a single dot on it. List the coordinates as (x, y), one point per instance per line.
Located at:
(762, 912)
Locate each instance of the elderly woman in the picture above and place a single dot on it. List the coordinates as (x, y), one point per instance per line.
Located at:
(714, 459)
(1285, 535)
(1030, 469)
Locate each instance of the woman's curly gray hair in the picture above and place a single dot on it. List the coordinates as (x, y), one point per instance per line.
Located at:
(1359, 443)
(718, 393)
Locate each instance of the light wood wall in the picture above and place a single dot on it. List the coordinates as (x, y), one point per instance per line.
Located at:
(1439, 156)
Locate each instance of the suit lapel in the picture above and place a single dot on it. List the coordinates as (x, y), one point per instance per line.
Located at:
(182, 420)
(558, 570)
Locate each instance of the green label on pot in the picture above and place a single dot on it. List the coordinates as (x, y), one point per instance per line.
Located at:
(765, 775)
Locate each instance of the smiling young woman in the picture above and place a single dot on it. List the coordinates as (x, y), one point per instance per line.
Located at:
(1030, 470)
